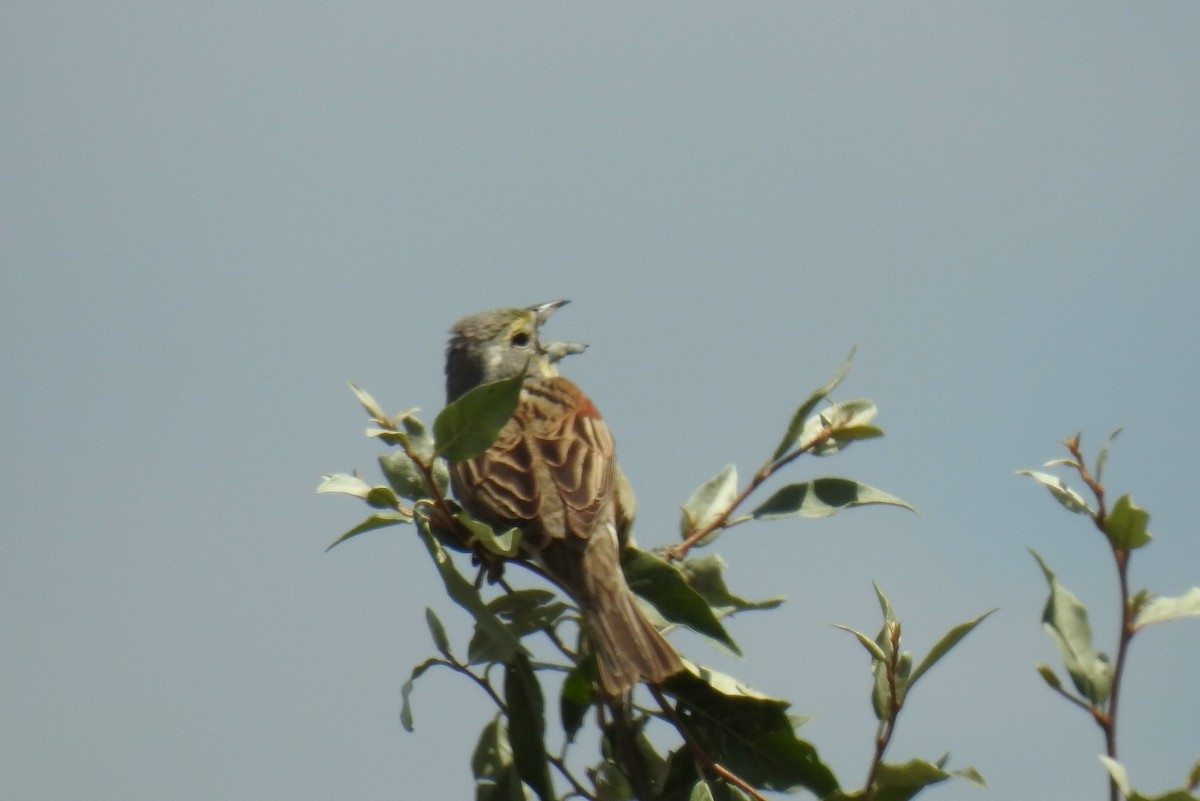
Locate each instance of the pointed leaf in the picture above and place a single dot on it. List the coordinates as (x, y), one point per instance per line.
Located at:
(524, 611)
(344, 483)
(1065, 620)
(468, 426)
(492, 765)
(1125, 525)
(664, 587)
(406, 718)
(1118, 773)
(577, 695)
(874, 650)
(710, 500)
(527, 726)
(1160, 610)
(1049, 676)
(438, 632)
(791, 437)
(705, 574)
(902, 782)
(885, 607)
(822, 497)
(943, 646)
(505, 543)
(529, 610)
(383, 519)
(373, 409)
(747, 732)
(1068, 497)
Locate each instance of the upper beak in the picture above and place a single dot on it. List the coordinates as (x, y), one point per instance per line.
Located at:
(544, 311)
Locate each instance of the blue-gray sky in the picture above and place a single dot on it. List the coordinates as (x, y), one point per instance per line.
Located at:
(214, 215)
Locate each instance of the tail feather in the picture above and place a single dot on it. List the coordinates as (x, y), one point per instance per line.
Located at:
(629, 648)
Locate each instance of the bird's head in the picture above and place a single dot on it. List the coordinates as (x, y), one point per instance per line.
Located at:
(500, 343)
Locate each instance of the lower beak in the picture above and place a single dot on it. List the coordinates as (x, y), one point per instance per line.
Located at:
(557, 350)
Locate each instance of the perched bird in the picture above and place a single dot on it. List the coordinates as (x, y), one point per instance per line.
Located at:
(552, 474)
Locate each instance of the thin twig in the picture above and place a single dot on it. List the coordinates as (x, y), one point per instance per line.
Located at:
(679, 550)
(577, 788)
(1107, 720)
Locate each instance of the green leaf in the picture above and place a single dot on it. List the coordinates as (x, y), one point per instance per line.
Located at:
(384, 519)
(665, 588)
(791, 436)
(468, 426)
(902, 782)
(611, 783)
(943, 646)
(747, 732)
(872, 648)
(705, 574)
(492, 766)
(822, 497)
(578, 694)
(406, 718)
(344, 483)
(1194, 777)
(506, 543)
(840, 424)
(529, 610)
(438, 632)
(373, 409)
(1160, 610)
(465, 594)
(382, 497)
(1061, 492)
(1125, 525)
(1049, 676)
(527, 726)
(1118, 773)
(404, 474)
(525, 611)
(711, 499)
(1065, 620)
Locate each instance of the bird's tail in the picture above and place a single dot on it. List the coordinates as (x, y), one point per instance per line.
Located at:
(629, 648)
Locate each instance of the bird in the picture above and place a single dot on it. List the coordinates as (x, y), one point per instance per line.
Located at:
(552, 474)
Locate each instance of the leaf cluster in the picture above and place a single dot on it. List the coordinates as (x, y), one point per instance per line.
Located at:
(1095, 676)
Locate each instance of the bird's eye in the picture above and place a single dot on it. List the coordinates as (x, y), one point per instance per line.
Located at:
(520, 339)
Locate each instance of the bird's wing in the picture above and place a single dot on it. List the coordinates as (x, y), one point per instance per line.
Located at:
(577, 452)
(502, 487)
(550, 472)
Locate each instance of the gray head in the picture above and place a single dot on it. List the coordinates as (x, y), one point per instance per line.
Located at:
(497, 344)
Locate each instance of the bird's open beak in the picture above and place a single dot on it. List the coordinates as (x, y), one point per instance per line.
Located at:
(555, 350)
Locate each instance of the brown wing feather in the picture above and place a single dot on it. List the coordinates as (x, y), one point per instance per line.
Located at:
(502, 488)
(536, 476)
(577, 451)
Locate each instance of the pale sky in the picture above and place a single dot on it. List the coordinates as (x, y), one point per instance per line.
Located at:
(212, 216)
